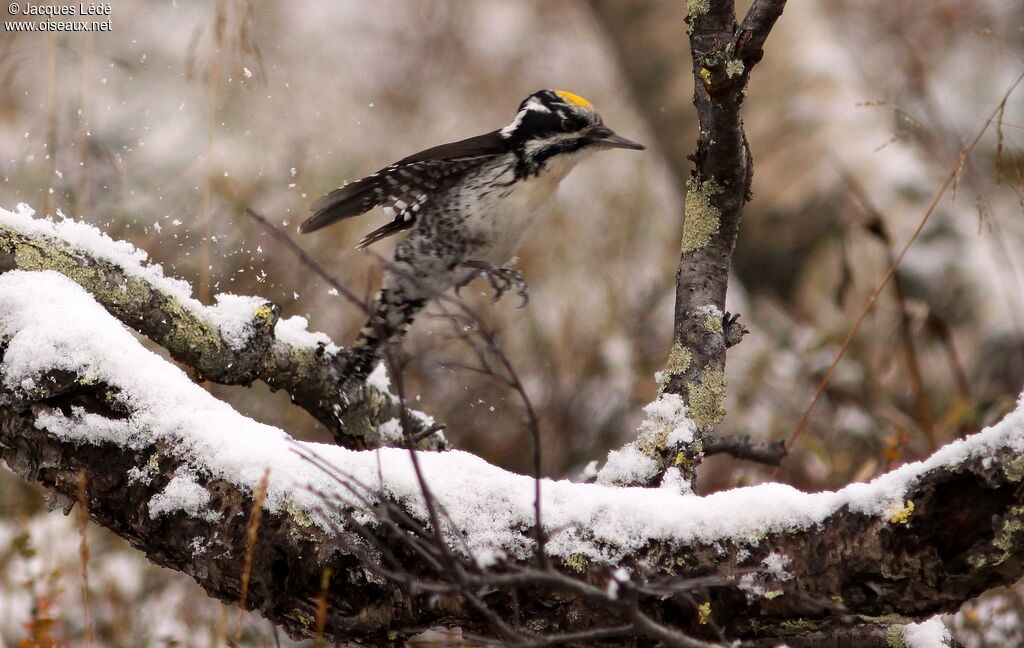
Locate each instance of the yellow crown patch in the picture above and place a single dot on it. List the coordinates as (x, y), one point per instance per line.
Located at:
(573, 99)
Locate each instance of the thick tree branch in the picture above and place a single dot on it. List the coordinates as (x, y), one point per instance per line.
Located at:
(138, 295)
(917, 541)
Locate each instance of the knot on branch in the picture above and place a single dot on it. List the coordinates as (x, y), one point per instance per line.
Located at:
(732, 330)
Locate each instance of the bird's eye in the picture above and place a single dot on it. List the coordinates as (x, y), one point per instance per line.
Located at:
(566, 123)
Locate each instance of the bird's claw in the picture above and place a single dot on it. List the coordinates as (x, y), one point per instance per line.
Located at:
(501, 279)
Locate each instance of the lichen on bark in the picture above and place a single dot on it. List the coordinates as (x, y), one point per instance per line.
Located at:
(701, 219)
(707, 398)
(679, 359)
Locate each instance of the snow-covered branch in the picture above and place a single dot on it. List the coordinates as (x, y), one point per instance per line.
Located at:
(235, 342)
(173, 470)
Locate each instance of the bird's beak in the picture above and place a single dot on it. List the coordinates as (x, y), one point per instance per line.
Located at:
(607, 137)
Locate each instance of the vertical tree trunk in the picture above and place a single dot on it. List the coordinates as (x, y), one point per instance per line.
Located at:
(723, 52)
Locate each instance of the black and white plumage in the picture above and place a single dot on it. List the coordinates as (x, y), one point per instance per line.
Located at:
(468, 205)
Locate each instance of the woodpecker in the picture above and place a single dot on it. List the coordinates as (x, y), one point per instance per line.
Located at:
(467, 205)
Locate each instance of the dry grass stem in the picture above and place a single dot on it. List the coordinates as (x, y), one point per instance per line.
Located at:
(255, 515)
(83, 551)
(951, 180)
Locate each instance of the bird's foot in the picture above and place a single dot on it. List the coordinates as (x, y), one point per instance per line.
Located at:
(502, 279)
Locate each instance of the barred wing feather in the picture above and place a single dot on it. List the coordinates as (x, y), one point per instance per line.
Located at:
(403, 187)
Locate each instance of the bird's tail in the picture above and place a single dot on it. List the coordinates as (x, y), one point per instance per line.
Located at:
(390, 316)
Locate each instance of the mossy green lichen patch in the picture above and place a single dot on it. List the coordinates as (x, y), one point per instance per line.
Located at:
(713, 323)
(1014, 469)
(797, 626)
(707, 398)
(734, 68)
(684, 460)
(894, 637)
(192, 333)
(298, 516)
(39, 254)
(653, 438)
(187, 330)
(701, 219)
(303, 359)
(1007, 538)
(679, 359)
(374, 408)
(698, 7)
(576, 562)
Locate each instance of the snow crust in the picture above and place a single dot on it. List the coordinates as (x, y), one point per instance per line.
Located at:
(379, 378)
(233, 315)
(294, 331)
(183, 493)
(51, 322)
(927, 634)
(627, 465)
(666, 424)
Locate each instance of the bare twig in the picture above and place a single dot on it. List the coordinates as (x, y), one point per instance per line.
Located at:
(511, 379)
(309, 261)
(465, 320)
(875, 224)
(951, 179)
(754, 30)
(743, 447)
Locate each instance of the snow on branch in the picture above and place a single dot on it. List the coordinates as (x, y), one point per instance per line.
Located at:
(174, 470)
(238, 340)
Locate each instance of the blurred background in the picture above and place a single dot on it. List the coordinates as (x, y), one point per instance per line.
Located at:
(162, 130)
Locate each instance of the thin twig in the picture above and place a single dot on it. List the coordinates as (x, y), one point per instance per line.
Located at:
(308, 261)
(754, 30)
(742, 447)
(875, 224)
(511, 379)
(950, 180)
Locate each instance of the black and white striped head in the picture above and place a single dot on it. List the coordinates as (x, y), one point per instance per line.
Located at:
(554, 122)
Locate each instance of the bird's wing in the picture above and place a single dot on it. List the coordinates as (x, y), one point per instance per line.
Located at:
(404, 186)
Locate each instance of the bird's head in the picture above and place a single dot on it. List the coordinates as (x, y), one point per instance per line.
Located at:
(553, 122)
